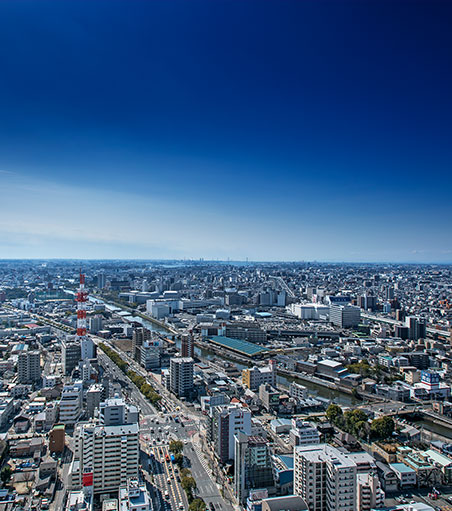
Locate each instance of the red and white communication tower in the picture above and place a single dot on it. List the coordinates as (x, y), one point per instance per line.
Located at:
(81, 298)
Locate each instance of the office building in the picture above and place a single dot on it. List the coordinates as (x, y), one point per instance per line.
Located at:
(252, 466)
(96, 323)
(325, 478)
(149, 354)
(93, 399)
(345, 316)
(70, 355)
(115, 411)
(269, 397)
(29, 367)
(57, 436)
(286, 503)
(298, 391)
(71, 403)
(181, 376)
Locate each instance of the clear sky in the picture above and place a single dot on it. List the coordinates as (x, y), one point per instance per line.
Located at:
(273, 130)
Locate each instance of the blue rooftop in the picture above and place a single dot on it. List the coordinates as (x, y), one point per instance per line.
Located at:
(243, 347)
(287, 461)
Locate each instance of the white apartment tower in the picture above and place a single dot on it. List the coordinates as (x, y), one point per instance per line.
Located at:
(105, 457)
(325, 478)
(181, 376)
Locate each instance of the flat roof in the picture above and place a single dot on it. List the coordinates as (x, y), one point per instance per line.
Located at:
(401, 467)
(243, 347)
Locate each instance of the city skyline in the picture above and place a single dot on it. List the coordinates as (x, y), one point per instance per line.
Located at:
(315, 131)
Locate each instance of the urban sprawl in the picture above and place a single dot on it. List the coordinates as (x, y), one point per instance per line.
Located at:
(220, 386)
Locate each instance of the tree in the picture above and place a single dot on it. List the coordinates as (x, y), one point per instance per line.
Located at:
(334, 413)
(176, 446)
(188, 484)
(382, 427)
(5, 474)
(185, 472)
(179, 459)
(198, 505)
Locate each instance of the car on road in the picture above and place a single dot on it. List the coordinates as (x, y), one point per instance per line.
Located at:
(181, 506)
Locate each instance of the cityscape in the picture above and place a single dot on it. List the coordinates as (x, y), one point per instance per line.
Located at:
(190, 385)
(225, 255)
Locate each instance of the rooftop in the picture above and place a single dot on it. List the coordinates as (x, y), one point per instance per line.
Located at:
(243, 347)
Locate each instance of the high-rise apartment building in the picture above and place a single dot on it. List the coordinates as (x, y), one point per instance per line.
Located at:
(418, 329)
(139, 336)
(181, 376)
(226, 422)
(325, 478)
(369, 493)
(105, 457)
(252, 466)
(187, 346)
(101, 280)
(29, 367)
(95, 323)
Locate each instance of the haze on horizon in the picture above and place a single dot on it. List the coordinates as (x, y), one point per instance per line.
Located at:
(270, 131)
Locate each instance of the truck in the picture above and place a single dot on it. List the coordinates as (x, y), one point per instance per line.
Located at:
(172, 458)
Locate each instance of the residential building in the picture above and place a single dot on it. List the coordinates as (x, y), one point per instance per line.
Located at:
(93, 398)
(187, 346)
(255, 376)
(325, 478)
(226, 422)
(369, 494)
(29, 367)
(405, 475)
(139, 336)
(105, 457)
(303, 433)
(181, 376)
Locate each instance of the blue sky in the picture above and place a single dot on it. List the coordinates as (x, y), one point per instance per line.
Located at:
(269, 130)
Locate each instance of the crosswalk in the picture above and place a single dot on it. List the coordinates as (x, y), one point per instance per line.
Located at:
(201, 458)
